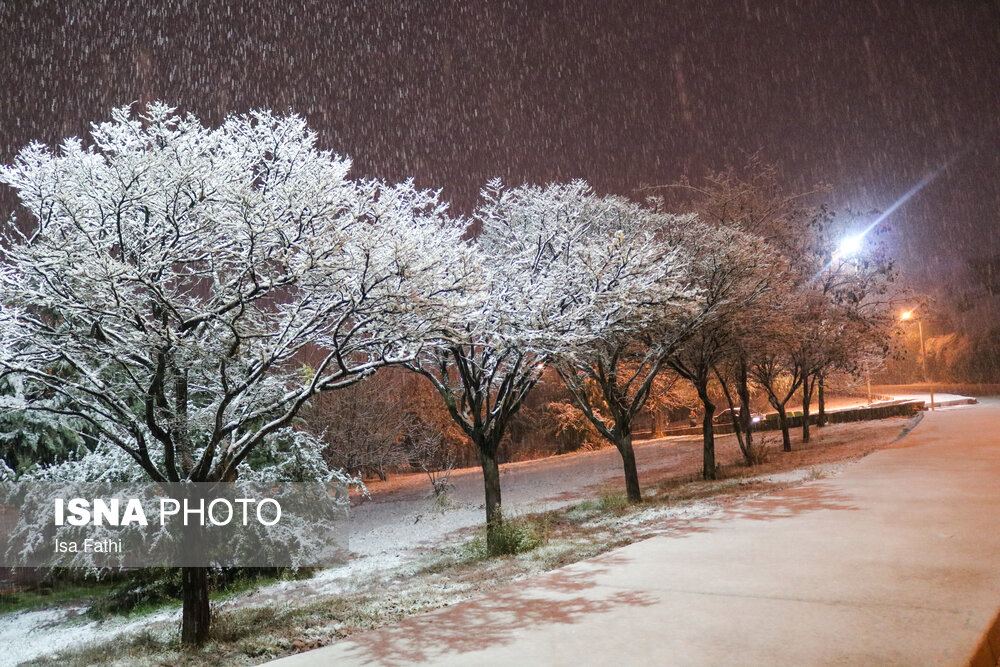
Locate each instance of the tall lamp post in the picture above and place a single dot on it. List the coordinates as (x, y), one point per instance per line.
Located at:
(908, 315)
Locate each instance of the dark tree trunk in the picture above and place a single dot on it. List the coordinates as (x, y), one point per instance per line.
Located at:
(821, 403)
(491, 482)
(657, 424)
(807, 387)
(708, 468)
(196, 612)
(735, 418)
(743, 391)
(737, 421)
(624, 444)
(786, 440)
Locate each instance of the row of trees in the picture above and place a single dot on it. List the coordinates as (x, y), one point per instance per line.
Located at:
(185, 292)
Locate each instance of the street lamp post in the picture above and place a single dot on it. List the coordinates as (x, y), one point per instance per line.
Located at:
(908, 315)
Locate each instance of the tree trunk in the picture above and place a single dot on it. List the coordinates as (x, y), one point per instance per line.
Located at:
(737, 422)
(786, 440)
(821, 403)
(657, 424)
(746, 418)
(491, 481)
(708, 468)
(735, 418)
(807, 386)
(196, 612)
(624, 444)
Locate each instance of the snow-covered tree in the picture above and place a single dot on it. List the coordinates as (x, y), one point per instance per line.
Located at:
(545, 293)
(28, 438)
(822, 311)
(855, 299)
(753, 201)
(778, 362)
(177, 275)
(831, 311)
(733, 270)
(639, 256)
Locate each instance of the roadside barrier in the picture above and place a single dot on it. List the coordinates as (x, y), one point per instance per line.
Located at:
(770, 422)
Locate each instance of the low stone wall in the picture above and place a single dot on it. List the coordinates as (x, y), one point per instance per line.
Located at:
(770, 423)
(900, 409)
(943, 388)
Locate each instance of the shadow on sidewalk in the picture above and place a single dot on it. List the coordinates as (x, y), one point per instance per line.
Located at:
(775, 505)
(560, 597)
(792, 502)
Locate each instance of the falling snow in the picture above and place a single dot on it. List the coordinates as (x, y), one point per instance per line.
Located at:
(892, 104)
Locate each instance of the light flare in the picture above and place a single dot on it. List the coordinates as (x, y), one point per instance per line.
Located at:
(853, 244)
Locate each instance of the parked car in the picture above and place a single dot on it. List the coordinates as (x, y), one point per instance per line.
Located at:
(726, 416)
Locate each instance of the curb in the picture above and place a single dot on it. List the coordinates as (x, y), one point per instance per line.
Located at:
(916, 419)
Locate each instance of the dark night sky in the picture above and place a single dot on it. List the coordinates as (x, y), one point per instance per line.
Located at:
(867, 96)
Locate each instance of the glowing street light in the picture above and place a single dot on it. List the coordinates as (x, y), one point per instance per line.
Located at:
(849, 246)
(852, 244)
(904, 317)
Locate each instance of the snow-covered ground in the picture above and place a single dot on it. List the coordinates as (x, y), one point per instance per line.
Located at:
(400, 521)
(29, 634)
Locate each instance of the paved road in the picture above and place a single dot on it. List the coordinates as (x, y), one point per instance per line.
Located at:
(895, 562)
(400, 516)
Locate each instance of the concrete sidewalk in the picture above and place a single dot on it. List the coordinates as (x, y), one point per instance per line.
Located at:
(894, 562)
